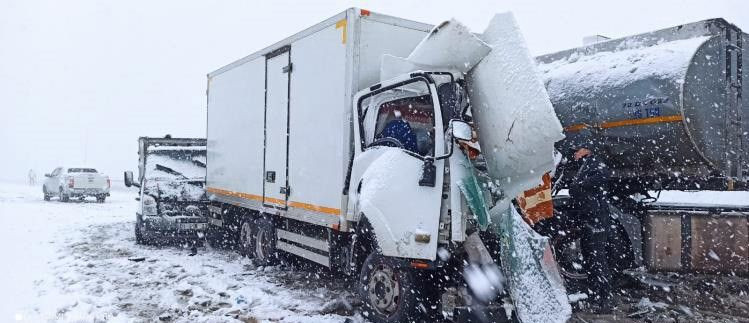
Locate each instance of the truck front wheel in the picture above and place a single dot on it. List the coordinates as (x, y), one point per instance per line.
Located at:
(391, 294)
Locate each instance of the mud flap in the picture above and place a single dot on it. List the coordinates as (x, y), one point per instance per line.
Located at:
(532, 275)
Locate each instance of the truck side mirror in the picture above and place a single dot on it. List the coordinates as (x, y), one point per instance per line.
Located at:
(129, 179)
(461, 130)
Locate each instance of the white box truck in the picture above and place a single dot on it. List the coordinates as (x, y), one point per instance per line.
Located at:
(309, 154)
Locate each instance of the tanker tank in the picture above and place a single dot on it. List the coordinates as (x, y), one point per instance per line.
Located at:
(664, 107)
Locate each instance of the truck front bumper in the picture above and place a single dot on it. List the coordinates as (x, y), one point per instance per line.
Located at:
(177, 227)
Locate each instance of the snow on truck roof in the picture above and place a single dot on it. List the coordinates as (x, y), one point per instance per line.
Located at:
(176, 148)
(631, 61)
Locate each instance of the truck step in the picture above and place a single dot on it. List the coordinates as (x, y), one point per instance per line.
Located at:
(321, 245)
(290, 241)
(304, 253)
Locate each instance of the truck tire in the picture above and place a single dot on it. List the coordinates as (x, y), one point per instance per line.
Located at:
(392, 294)
(246, 244)
(264, 237)
(101, 198)
(46, 195)
(64, 197)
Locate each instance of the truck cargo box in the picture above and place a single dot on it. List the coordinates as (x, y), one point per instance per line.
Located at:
(667, 104)
(279, 120)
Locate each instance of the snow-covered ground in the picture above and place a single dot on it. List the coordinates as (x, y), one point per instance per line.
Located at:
(70, 262)
(73, 262)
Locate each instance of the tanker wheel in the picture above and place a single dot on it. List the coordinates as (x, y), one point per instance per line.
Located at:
(392, 294)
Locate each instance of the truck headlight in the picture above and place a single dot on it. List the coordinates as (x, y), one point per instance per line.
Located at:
(149, 205)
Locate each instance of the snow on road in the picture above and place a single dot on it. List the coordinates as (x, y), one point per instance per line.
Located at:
(70, 262)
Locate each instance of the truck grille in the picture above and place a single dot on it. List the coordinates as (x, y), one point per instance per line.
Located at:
(182, 209)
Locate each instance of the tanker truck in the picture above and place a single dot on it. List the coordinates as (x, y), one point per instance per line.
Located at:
(318, 149)
(665, 108)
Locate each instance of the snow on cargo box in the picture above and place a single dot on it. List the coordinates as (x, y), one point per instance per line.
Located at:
(279, 120)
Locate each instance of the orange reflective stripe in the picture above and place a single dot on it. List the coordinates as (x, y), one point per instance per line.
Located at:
(316, 208)
(628, 122)
(235, 194)
(279, 202)
(576, 127)
(637, 122)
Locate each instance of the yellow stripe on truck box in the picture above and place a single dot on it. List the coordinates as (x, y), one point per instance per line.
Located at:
(297, 205)
(342, 24)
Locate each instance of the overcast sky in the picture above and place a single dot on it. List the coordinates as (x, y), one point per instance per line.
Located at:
(81, 80)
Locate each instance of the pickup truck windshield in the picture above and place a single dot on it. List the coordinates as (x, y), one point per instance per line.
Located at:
(81, 170)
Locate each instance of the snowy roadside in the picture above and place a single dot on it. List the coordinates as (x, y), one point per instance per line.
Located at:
(73, 262)
(70, 262)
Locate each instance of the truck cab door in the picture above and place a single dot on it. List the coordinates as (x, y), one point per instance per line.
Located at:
(275, 185)
(400, 127)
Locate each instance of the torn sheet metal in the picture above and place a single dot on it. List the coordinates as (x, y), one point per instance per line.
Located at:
(532, 275)
(465, 178)
(515, 120)
(449, 47)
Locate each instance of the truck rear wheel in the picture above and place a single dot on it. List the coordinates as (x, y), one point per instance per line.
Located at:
(264, 237)
(246, 238)
(390, 293)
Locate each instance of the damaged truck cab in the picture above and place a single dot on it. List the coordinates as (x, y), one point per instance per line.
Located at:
(171, 200)
(315, 152)
(404, 193)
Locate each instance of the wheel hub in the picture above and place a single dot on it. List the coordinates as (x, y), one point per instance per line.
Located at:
(262, 244)
(384, 290)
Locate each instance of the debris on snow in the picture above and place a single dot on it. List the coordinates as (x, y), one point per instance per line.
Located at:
(576, 297)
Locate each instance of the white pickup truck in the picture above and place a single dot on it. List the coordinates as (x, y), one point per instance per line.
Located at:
(66, 182)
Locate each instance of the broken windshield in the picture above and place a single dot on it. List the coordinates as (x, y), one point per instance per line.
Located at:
(172, 164)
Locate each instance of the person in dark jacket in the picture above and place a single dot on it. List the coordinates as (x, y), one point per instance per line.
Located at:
(589, 191)
(400, 130)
